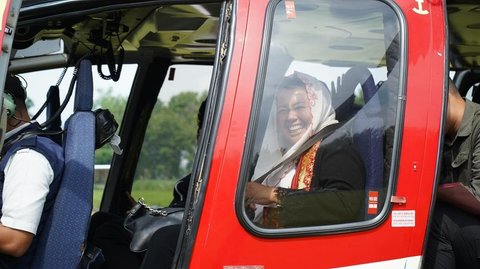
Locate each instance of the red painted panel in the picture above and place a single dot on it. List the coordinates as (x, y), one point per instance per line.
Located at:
(4, 10)
(222, 241)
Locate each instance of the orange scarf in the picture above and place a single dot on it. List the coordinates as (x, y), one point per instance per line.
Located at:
(304, 172)
(301, 180)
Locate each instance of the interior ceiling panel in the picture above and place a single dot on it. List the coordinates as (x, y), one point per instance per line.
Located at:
(172, 31)
(464, 27)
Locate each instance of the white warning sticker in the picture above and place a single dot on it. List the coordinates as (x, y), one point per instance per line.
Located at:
(403, 218)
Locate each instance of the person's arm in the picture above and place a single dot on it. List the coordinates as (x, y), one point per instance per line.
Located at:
(28, 175)
(465, 197)
(14, 242)
(337, 193)
(475, 173)
(460, 196)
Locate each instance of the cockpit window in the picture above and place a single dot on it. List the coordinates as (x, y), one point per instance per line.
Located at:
(321, 151)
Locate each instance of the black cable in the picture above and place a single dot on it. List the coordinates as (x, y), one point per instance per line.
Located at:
(69, 93)
(40, 110)
(62, 75)
(114, 68)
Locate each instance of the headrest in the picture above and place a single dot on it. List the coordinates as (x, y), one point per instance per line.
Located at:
(84, 89)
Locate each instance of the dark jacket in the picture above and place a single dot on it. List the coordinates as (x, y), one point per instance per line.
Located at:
(337, 189)
(461, 156)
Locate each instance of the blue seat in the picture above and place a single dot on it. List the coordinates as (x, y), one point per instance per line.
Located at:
(368, 138)
(344, 99)
(61, 243)
(365, 126)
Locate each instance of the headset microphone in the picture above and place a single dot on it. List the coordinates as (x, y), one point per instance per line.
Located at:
(9, 104)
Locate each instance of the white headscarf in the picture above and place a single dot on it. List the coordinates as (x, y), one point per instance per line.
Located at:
(323, 114)
(270, 155)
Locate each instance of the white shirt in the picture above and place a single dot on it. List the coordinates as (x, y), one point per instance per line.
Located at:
(28, 175)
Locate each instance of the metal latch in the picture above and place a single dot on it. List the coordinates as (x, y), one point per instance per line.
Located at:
(401, 200)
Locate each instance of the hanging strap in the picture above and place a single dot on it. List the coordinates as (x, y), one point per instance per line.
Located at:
(309, 143)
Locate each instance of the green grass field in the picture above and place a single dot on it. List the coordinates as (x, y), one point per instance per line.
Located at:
(155, 192)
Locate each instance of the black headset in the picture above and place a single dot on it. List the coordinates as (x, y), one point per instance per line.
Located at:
(13, 89)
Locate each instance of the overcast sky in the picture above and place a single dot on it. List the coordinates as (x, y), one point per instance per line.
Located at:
(40, 82)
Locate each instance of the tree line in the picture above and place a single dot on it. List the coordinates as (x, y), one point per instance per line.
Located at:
(170, 141)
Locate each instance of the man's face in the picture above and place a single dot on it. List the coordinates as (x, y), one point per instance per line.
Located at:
(294, 115)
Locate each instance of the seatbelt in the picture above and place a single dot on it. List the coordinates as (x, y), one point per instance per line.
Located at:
(309, 143)
(8, 144)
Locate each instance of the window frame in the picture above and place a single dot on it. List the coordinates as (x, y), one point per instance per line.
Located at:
(245, 170)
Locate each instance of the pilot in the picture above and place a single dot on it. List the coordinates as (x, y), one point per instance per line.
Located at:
(31, 167)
